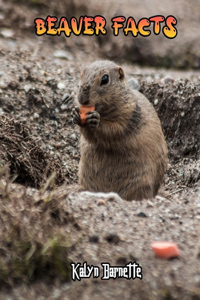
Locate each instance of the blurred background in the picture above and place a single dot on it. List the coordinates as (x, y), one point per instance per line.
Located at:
(17, 31)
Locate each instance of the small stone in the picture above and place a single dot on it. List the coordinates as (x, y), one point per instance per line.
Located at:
(58, 145)
(7, 33)
(141, 215)
(63, 106)
(112, 238)
(197, 279)
(167, 80)
(3, 85)
(101, 202)
(13, 85)
(36, 116)
(42, 72)
(94, 238)
(134, 84)
(27, 88)
(149, 203)
(1, 111)
(63, 54)
(27, 24)
(182, 114)
(155, 101)
(53, 117)
(122, 260)
(160, 198)
(59, 71)
(149, 79)
(65, 97)
(1, 16)
(73, 136)
(61, 85)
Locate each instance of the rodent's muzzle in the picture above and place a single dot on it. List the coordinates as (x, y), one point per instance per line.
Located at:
(83, 95)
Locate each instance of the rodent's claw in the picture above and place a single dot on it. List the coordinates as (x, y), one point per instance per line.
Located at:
(93, 119)
(75, 115)
(93, 115)
(77, 109)
(90, 112)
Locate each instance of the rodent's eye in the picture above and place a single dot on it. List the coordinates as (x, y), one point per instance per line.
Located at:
(104, 79)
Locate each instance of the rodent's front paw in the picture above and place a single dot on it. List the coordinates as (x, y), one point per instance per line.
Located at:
(75, 115)
(93, 119)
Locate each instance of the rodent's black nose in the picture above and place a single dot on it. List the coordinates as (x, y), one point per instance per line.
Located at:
(83, 99)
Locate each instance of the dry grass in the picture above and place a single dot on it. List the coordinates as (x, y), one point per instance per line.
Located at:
(33, 239)
(24, 158)
(33, 243)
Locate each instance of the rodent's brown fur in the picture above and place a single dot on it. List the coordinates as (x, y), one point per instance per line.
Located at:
(126, 151)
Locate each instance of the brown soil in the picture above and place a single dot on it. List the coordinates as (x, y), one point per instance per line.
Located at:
(45, 220)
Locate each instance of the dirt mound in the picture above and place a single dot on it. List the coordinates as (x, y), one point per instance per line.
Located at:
(26, 161)
(70, 226)
(178, 106)
(33, 252)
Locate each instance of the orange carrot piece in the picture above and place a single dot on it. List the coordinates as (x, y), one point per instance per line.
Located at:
(165, 249)
(83, 112)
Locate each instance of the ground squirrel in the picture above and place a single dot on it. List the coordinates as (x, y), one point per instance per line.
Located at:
(123, 148)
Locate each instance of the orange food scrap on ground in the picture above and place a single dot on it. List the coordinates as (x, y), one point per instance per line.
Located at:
(83, 112)
(165, 249)
(101, 202)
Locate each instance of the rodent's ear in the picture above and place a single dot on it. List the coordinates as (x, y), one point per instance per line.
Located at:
(121, 73)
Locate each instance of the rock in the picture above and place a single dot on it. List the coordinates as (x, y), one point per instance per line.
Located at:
(53, 117)
(122, 260)
(94, 238)
(36, 116)
(3, 85)
(101, 202)
(65, 97)
(112, 238)
(141, 215)
(149, 203)
(73, 136)
(61, 85)
(1, 16)
(167, 80)
(7, 33)
(159, 198)
(63, 54)
(155, 101)
(13, 85)
(134, 84)
(27, 88)
(149, 79)
(63, 107)
(108, 196)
